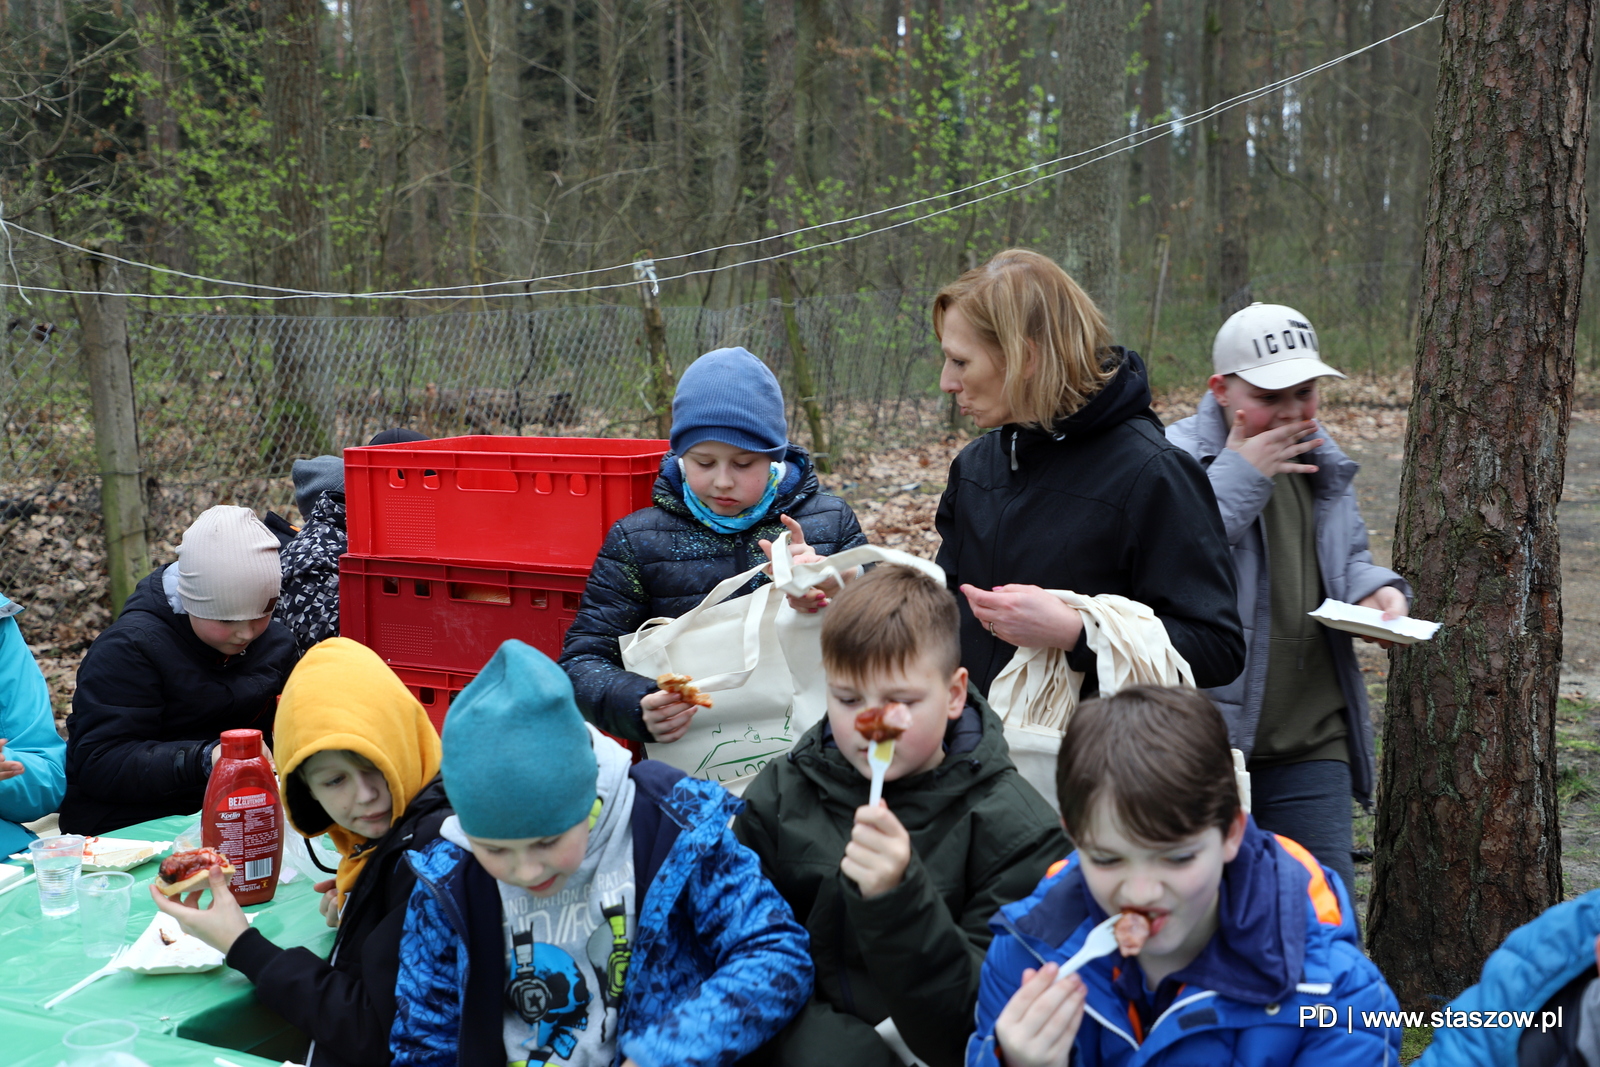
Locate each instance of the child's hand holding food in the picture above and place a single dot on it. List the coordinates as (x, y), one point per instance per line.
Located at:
(1041, 1019)
(667, 715)
(878, 853)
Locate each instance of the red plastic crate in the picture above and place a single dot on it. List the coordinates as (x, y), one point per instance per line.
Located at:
(520, 501)
(433, 689)
(444, 617)
(437, 690)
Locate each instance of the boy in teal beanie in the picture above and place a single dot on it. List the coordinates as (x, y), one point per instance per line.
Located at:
(578, 909)
(731, 485)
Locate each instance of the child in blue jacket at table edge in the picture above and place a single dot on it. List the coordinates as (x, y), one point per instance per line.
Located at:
(33, 756)
(579, 909)
(1246, 928)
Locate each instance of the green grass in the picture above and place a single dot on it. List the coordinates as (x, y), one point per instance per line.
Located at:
(1414, 1041)
(1573, 785)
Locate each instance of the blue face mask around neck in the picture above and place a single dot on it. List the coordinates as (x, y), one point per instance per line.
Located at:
(731, 524)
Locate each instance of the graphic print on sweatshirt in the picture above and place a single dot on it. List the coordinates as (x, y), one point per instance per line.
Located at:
(567, 965)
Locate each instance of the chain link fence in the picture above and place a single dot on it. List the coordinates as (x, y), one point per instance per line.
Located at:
(225, 403)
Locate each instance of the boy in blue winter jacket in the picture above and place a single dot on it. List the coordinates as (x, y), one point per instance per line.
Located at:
(579, 911)
(1247, 934)
(33, 756)
(731, 484)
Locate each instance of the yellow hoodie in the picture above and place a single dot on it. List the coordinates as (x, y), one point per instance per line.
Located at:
(341, 696)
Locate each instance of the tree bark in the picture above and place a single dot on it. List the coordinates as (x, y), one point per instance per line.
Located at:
(1156, 156)
(166, 241)
(780, 109)
(724, 80)
(431, 220)
(1468, 846)
(513, 188)
(1089, 200)
(1233, 164)
(292, 82)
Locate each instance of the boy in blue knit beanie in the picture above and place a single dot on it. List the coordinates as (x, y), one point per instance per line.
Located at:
(730, 486)
(579, 910)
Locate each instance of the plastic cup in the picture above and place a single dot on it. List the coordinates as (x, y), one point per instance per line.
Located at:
(103, 900)
(101, 1044)
(57, 861)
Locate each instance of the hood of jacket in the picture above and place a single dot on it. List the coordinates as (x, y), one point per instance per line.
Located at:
(342, 697)
(1126, 395)
(799, 483)
(1258, 953)
(975, 750)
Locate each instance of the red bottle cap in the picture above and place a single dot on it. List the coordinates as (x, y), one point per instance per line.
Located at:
(241, 744)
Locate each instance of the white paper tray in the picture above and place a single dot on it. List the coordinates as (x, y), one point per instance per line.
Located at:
(112, 853)
(1368, 622)
(186, 955)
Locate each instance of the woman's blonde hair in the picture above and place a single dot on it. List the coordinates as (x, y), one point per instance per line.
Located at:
(1019, 297)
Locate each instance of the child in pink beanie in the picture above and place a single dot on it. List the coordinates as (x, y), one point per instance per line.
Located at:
(194, 652)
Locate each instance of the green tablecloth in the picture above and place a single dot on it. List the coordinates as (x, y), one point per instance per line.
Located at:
(34, 1040)
(40, 957)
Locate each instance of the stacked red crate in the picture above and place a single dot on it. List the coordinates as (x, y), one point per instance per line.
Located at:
(461, 543)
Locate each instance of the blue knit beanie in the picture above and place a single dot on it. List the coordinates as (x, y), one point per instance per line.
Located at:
(518, 761)
(731, 396)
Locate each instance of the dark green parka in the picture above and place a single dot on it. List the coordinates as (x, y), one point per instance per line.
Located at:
(980, 837)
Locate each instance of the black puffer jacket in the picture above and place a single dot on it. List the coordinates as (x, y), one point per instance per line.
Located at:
(661, 561)
(152, 699)
(346, 1004)
(309, 602)
(1104, 504)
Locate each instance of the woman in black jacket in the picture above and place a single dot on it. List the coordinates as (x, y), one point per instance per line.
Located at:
(359, 760)
(1077, 489)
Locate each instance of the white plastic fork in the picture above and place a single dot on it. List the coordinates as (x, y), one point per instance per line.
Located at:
(1102, 941)
(113, 964)
(879, 756)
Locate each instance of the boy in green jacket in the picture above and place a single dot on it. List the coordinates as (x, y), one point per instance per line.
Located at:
(896, 897)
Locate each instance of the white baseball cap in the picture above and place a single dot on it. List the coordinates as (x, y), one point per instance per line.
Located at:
(1270, 346)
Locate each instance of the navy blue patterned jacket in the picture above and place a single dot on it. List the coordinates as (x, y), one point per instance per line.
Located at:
(661, 561)
(719, 964)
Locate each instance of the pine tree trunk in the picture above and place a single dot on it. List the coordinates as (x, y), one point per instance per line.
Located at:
(1089, 200)
(511, 179)
(292, 81)
(1233, 164)
(430, 157)
(724, 124)
(1468, 846)
(1156, 156)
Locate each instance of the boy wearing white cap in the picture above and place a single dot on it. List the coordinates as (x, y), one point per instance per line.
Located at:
(194, 652)
(1286, 494)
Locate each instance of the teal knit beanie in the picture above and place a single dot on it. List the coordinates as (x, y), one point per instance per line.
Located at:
(518, 761)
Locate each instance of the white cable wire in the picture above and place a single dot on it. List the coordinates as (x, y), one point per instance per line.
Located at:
(10, 258)
(1116, 146)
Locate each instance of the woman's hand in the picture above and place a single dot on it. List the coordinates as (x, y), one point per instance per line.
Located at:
(219, 925)
(1041, 1019)
(666, 716)
(329, 904)
(800, 552)
(1390, 601)
(1025, 615)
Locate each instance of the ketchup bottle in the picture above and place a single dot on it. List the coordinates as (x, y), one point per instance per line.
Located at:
(242, 817)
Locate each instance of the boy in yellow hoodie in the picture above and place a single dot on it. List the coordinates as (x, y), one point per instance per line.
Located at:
(359, 761)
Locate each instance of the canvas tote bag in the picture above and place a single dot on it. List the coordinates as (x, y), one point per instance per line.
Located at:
(758, 658)
(1037, 691)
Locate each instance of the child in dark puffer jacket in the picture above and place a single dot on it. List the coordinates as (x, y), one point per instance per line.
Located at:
(732, 481)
